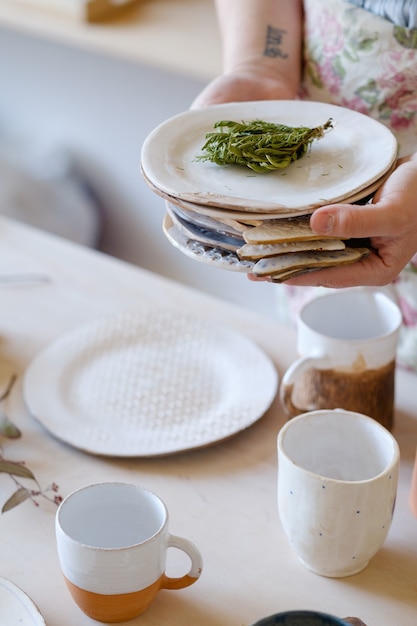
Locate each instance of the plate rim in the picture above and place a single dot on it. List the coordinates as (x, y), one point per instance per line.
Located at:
(24, 600)
(249, 215)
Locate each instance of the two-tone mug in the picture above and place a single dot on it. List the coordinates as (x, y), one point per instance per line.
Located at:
(112, 541)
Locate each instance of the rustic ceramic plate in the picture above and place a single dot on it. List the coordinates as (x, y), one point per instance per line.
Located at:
(210, 236)
(360, 197)
(356, 153)
(16, 608)
(203, 252)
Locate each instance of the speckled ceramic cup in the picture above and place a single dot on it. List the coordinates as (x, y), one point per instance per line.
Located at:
(337, 483)
(112, 540)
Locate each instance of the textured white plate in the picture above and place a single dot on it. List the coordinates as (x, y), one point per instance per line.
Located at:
(350, 157)
(16, 608)
(149, 382)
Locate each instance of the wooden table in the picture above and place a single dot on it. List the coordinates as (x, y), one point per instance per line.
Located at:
(222, 497)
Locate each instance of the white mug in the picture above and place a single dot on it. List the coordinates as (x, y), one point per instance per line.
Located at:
(112, 540)
(347, 342)
(337, 484)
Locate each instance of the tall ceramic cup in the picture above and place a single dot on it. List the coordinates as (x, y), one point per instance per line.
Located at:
(112, 540)
(337, 484)
(347, 342)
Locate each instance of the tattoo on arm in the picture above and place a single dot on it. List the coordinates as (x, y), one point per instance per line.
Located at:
(273, 42)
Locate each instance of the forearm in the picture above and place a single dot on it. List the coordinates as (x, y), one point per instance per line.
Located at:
(263, 35)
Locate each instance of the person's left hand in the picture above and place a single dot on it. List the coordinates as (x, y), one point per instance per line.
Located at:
(390, 223)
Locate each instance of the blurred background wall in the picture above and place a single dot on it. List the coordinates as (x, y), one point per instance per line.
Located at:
(99, 108)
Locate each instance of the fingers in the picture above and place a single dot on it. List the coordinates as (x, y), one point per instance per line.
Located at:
(351, 221)
(391, 214)
(390, 223)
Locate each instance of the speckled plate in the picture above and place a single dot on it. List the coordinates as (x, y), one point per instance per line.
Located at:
(16, 608)
(352, 156)
(246, 214)
(149, 382)
(206, 235)
(204, 252)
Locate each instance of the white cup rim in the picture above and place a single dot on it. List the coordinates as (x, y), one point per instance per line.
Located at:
(355, 291)
(136, 487)
(352, 415)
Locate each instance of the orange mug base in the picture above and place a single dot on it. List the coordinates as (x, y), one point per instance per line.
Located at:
(113, 608)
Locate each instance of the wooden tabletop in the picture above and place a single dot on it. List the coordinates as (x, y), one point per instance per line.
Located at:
(222, 497)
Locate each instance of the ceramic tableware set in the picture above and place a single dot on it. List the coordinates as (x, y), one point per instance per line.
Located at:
(337, 485)
(232, 217)
(112, 538)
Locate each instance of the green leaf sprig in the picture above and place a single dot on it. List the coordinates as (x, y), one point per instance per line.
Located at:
(261, 146)
(17, 470)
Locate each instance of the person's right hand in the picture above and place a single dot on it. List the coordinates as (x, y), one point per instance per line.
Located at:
(242, 86)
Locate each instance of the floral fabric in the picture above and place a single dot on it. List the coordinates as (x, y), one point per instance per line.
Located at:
(361, 61)
(364, 62)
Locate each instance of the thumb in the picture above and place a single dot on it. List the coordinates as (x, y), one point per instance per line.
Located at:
(352, 221)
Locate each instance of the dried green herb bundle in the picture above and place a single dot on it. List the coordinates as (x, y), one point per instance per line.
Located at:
(262, 146)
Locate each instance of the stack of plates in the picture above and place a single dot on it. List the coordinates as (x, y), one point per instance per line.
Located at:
(234, 218)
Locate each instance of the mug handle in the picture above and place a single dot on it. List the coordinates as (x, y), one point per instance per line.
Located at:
(193, 574)
(289, 379)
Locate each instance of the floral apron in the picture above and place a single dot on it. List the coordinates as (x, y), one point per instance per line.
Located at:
(364, 62)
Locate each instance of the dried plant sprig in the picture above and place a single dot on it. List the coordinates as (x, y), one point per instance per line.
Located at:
(18, 470)
(7, 428)
(261, 146)
(22, 492)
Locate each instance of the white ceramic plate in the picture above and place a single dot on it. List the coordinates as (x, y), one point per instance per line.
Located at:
(149, 382)
(234, 214)
(350, 157)
(204, 252)
(205, 235)
(16, 608)
(231, 228)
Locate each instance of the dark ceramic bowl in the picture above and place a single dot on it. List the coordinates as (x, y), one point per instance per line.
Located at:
(301, 618)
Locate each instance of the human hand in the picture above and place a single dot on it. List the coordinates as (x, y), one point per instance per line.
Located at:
(390, 222)
(242, 86)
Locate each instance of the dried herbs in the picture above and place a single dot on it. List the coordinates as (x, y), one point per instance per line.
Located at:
(261, 146)
(18, 470)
